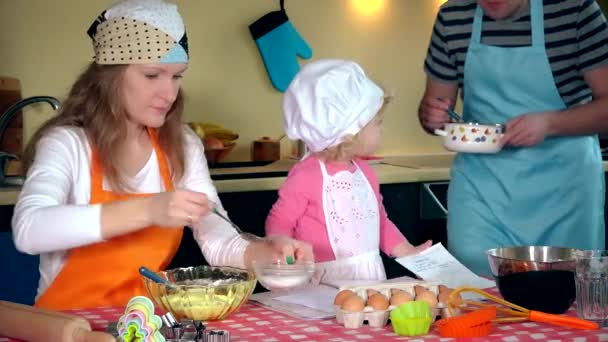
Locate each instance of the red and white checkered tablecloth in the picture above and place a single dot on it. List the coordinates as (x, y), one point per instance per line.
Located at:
(257, 323)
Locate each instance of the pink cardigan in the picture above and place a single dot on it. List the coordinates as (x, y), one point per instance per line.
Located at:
(298, 213)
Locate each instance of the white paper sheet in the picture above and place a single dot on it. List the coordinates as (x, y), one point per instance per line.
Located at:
(438, 265)
(312, 302)
(320, 298)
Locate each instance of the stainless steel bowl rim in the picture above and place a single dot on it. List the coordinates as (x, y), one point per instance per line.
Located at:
(493, 252)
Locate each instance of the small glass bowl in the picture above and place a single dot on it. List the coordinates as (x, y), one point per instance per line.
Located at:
(278, 276)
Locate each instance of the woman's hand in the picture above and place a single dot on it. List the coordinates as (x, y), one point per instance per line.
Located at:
(526, 130)
(178, 208)
(278, 249)
(405, 248)
(433, 113)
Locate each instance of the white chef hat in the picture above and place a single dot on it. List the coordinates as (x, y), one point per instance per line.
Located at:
(327, 100)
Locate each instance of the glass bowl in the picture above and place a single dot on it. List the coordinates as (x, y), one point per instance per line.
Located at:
(538, 278)
(203, 293)
(282, 276)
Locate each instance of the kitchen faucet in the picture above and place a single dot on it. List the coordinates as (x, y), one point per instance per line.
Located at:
(6, 119)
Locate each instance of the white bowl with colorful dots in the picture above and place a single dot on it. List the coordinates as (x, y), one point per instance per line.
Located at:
(471, 137)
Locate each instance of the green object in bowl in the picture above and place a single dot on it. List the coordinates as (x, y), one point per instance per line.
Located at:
(412, 318)
(290, 260)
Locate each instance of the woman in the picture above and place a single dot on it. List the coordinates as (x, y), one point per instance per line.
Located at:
(116, 175)
(539, 68)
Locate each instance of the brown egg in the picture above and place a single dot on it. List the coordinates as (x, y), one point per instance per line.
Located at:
(342, 295)
(428, 297)
(443, 288)
(443, 297)
(371, 292)
(378, 302)
(353, 304)
(394, 290)
(419, 289)
(400, 297)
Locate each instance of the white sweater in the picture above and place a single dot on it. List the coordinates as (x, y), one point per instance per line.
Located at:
(53, 215)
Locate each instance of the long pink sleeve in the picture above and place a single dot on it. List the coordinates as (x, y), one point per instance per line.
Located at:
(298, 212)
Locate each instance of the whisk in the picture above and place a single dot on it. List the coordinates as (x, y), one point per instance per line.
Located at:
(514, 313)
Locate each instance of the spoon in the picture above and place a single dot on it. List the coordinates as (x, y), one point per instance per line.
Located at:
(247, 236)
(454, 116)
(148, 273)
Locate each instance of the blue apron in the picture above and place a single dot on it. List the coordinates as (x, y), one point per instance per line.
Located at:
(549, 194)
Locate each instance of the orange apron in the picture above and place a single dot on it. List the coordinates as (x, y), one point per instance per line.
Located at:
(107, 273)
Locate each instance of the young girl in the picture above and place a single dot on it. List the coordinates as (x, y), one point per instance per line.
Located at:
(332, 198)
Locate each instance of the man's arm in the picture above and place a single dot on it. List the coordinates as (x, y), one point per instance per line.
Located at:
(590, 118)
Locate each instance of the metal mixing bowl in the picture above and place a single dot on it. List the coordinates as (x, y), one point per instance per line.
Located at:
(535, 277)
(202, 293)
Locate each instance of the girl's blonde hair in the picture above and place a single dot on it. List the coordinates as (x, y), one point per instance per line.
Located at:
(346, 149)
(96, 104)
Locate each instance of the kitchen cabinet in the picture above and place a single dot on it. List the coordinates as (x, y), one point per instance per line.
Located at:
(21, 269)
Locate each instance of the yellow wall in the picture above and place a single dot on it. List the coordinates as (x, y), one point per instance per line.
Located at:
(226, 83)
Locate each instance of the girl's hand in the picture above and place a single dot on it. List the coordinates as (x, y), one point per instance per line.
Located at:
(278, 249)
(178, 208)
(405, 248)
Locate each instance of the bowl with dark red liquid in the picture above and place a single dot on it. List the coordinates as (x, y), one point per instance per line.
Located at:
(537, 278)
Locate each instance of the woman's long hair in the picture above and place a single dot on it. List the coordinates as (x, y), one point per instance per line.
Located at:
(96, 104)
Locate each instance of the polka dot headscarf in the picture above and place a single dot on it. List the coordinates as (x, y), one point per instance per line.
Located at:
(139, 32)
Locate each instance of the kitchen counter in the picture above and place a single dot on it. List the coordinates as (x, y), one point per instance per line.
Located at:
(412, 168)
(402, 169)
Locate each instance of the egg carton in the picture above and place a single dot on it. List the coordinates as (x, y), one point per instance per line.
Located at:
(385, 288)
(379, 318)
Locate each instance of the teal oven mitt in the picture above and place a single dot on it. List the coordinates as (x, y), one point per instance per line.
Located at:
(279, 44)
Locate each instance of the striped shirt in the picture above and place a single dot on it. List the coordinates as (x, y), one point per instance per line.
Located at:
(576, 41)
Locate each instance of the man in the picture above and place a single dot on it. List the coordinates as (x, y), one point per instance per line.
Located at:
(541, 69)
